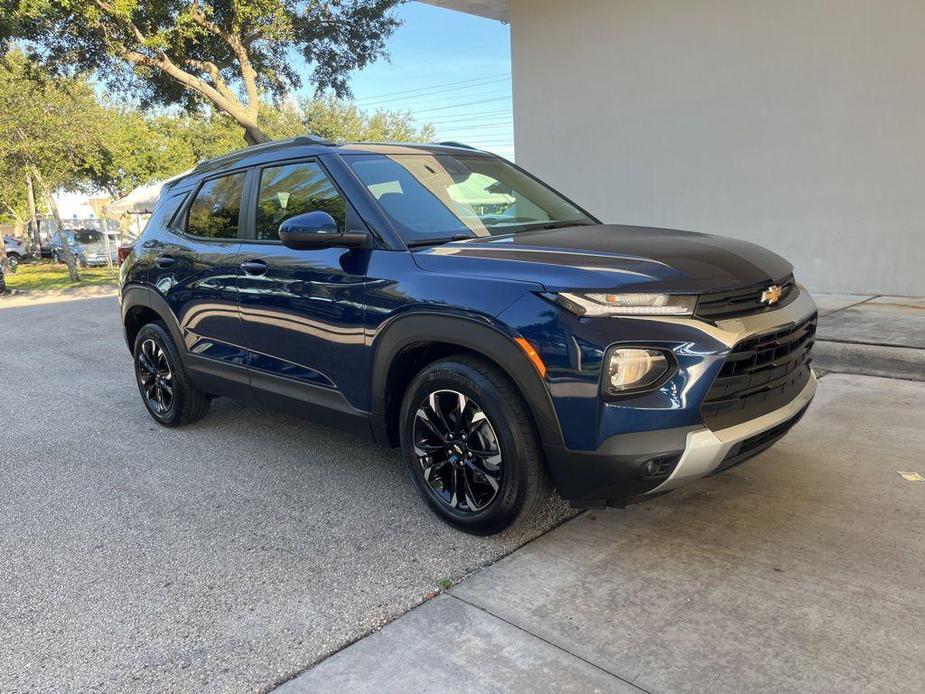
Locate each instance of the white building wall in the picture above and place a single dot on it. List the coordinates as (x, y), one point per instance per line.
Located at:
(797, 124)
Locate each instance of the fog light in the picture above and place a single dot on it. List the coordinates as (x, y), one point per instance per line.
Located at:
(632, 369)
(657, 468)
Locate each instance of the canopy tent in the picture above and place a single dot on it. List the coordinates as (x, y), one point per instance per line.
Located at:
(141, 200)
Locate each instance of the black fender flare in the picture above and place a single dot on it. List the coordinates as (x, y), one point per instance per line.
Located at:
(137, 295)
(476, 334)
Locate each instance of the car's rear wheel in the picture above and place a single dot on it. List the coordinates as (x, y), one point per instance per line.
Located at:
(165, 388)
(13, 260)
(471, 447)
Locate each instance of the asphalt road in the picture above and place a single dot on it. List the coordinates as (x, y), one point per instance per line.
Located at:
(226, 556)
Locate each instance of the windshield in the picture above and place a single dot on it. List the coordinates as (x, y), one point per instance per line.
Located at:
(82, 236)
(441, 196)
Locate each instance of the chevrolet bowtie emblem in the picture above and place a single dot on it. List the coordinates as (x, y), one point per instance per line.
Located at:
(771, 295)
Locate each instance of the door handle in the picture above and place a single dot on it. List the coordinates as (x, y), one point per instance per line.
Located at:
(165, 261)
(254, 267)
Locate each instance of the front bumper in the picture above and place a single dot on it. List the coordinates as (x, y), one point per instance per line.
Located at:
(707, 451)
(616, 470)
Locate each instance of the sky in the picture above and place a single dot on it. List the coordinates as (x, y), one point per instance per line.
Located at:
(450, 69)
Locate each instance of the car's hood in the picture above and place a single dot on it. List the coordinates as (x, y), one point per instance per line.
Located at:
(603, 256)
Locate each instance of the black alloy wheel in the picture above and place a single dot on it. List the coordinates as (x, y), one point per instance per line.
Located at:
(155, 377)
(458, 450)
(166, 390)
(470, 445)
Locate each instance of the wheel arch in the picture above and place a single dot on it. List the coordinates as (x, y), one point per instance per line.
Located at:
(411, 342)
(141, 305)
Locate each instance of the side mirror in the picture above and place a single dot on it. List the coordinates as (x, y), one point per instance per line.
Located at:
(317, 229)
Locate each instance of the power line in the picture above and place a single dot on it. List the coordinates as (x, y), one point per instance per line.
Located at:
(476, 126)
(469, 103)
(466, 117)
(430, 93)
(407, 105)
(433, 86)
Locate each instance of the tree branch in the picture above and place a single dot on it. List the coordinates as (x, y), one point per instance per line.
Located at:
(214, 73)
(248, 74)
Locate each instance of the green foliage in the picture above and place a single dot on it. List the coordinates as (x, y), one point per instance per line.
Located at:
(236, 55)
(54, 125)
(342, 121)
(79, 142)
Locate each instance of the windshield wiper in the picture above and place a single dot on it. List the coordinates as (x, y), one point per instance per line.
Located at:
(417, 243)
(556, 225)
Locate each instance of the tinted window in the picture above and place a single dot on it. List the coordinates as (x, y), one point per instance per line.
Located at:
(286, 191)
(164, 211)
(215, 210)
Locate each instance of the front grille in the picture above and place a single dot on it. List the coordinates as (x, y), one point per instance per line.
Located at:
(761, 374)
(752, 446)
(743, 302)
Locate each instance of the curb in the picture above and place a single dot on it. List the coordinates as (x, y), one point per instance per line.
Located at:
(870, 360)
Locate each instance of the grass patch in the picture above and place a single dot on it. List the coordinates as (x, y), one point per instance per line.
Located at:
(38, 276)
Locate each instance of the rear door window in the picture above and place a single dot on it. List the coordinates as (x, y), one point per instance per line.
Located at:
(216, 210)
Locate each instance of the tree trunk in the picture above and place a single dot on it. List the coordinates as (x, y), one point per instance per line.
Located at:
(69, 258)
(253, 135)
(4, 260)
(17, 228)
(33, 222)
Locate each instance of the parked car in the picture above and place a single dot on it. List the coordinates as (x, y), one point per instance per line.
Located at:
(507, 351)
(16, 251)
(89, 245)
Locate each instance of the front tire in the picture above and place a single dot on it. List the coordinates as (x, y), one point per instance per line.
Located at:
(166, 391)
(471, 447)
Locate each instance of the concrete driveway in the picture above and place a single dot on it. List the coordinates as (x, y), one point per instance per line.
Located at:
(227, 556)
(800, 571)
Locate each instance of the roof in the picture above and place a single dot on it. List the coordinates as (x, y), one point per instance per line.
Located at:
(492, 9)
(307, 146)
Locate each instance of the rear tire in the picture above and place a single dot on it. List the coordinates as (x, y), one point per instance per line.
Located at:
(165, 388)
(471, 447)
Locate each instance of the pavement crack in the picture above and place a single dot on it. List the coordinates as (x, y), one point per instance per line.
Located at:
(550, 643)
(856, 303)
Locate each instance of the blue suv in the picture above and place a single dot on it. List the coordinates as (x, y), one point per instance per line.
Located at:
(443, 300)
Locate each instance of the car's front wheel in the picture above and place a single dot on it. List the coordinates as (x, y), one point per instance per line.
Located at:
(13, 260)
(162, 381)
(471, 446)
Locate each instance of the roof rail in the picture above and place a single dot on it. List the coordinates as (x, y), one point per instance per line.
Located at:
(312, 140)
(451, 143)
(309, 140)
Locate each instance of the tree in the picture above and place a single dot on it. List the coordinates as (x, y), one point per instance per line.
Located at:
(140, 148)
(236, 55)
(52, 133)
(337, 119)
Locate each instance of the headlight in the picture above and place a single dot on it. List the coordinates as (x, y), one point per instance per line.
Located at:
(631, 304)
(632, 368)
